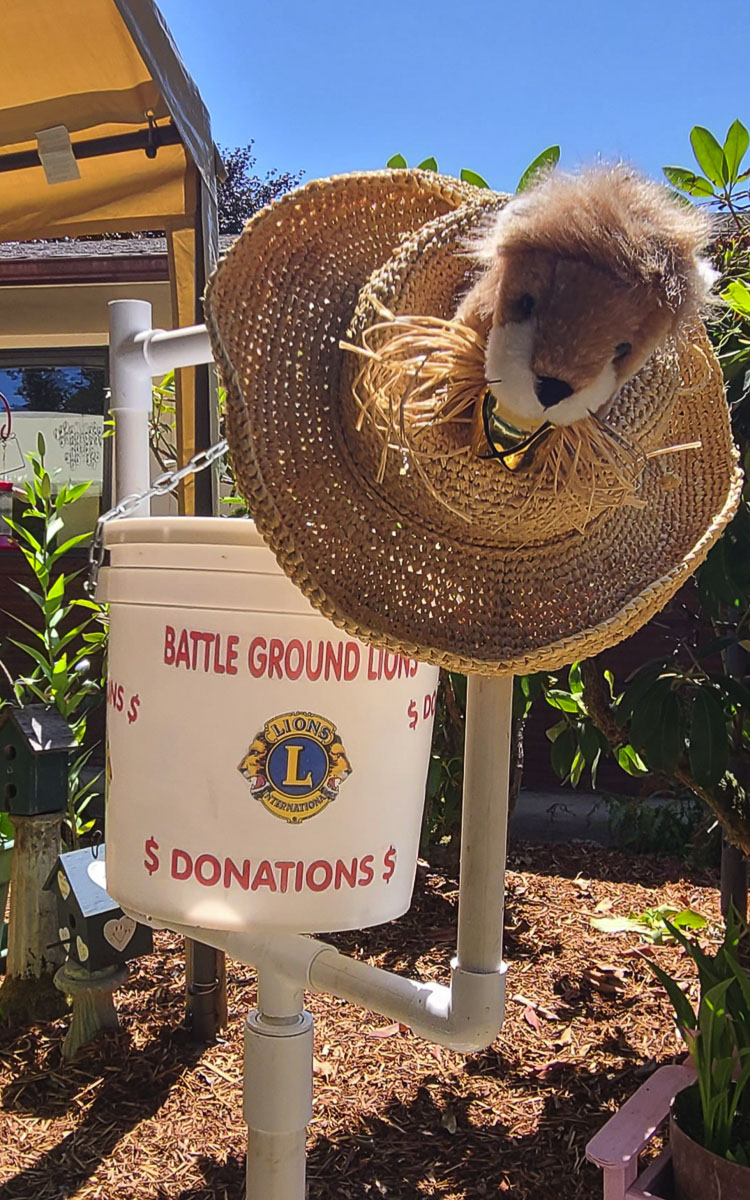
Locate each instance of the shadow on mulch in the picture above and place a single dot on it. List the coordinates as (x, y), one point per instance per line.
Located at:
(423, 1142)
(134, 1085)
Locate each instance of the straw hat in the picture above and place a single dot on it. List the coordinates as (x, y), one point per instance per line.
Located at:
(360, 471)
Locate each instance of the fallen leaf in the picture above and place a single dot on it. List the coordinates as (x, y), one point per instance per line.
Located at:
(547, 1067)
(605, 979)
(603, 906)
(566, 1037)
(326, 1069)
(388, 1030)
(530, 1015)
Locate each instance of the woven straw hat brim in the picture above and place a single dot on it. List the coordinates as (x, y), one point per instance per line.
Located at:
(380, 560)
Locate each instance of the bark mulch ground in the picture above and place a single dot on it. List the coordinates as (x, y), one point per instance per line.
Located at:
(144, 1114)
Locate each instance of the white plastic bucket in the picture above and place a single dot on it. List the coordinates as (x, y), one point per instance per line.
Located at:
(264, 768)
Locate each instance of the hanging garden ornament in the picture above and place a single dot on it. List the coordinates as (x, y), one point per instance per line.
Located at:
(486, 433)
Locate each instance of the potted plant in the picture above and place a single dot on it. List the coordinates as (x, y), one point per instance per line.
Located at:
(710, 1120)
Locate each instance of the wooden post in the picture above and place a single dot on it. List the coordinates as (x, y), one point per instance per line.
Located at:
(206, 983)
(733, 879)
(34, 952)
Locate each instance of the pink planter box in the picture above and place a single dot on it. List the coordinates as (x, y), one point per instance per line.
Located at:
(617, 1146)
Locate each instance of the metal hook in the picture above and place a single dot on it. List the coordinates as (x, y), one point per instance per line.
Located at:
(6, 429)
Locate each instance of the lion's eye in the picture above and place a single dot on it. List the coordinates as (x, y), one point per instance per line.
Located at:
(622, 350)
(525, 306)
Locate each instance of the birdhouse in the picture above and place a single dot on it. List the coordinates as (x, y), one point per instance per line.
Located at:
(91, 925)
(35, 743)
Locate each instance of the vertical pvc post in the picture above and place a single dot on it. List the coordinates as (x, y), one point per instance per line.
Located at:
(277, 1091)
(130, 384)
(484, 829)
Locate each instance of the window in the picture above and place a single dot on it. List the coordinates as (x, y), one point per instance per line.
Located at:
(62, 394)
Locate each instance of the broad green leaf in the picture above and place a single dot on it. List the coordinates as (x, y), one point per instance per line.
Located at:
(563, 752)
(688, 919)
(737, 296)
(428, 164)
(554, 732)
(708, 748)
(576, 767)
(688, 181)
(617, 924)
(735, 145)
(78, 540)
(52, 529)
(709, 154)
(575, 683)
(630, 761)
(396, 161)
(686, 1018)
(590, 744)
(472, 177)
(646, 718)
(662, 750)
(543, 162)
(634, 693)
(561, 700)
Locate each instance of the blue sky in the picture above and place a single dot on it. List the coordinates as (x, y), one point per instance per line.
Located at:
(330, 86)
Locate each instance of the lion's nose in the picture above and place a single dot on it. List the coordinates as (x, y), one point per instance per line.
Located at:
(551, 391)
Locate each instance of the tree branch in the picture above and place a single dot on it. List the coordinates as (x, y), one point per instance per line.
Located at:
(728, 800)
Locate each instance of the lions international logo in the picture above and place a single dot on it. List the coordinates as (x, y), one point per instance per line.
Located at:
(296, 765)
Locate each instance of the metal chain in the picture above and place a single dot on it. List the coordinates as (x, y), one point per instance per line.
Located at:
(164, 483)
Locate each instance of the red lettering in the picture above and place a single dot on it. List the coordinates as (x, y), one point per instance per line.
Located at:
(207, 860)
(295, 649)
(242, 877)
(184, 871)
(275, 655)
(232, 643)
(366, 873)
(374, 669)
(169, 644)
(284, 868)
(319, 865)
(347, 873)
(264, 877)
(334, 659)
(195, 638)
(183, 651)
(390, 665)
(351, 660)
(256, 657)
(310, 671)
(298, 876)
(414, 668)
(219, 668)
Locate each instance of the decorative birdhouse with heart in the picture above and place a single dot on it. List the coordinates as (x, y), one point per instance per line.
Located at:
(93, 928)
(35, 743)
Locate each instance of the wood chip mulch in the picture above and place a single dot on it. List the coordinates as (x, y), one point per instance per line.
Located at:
(144, 1113)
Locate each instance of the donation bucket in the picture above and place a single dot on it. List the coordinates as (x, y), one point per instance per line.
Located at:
(264, 768)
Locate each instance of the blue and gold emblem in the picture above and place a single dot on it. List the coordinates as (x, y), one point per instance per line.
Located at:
(295, 765)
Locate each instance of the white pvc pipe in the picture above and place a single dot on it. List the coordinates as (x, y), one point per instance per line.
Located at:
(130, 400)
(277, 1102)
(163, 350)
(484, 829)
(276, 1162)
